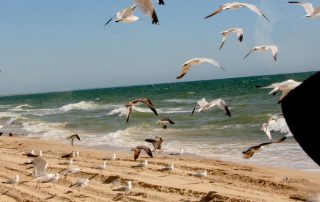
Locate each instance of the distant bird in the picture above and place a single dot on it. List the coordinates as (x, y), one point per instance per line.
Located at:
(145, 101)
(201, 174)
(157, 143)
(203, 105)
(178, 153)
(113, 158)
(82, 182)
(72, 170)
(308, 7)
(13, 181)
(195, 61)
(273, 48)
(46, 179)
(125, 16)
(165, 122)
(146, 6)
(226, 33)
(144, 164)
(33, 154)
(237, 5)
(102, 166)
(40, 166)
(250, 152)
(138, 149)
(73, 137)
(127, 188)
(68, 162)
(69, 155)
(169, 168)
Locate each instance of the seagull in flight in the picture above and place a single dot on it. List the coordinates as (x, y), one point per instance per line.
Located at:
(157, 143)
(165, 122)
(308, 7)
(237, 5)
(137, 151)
(250, 152)
(203, 106)
(226, 33)
(145, 101)
(125, 16)
(273, 48)
(73, 137)
(195, 61)
(146, 6)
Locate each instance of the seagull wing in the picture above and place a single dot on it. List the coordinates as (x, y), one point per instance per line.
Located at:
(161, 2)
(168, 120)
(127, 11)
(222, 105)
(308, 7)
(255, 9)
(224, 37)
(109, 20)
(186, 67)
(146, 7)
(221, 8)
(239, 33)
(274, 50)
(267, 131)
(39, 167)
(136, 153)
(147, 149)
(153, 142)
(129, 113)
(252, 50)
(202, 102)
(78, 137)
(211, 61)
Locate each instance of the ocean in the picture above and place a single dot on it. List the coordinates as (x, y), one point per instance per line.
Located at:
(97, 115)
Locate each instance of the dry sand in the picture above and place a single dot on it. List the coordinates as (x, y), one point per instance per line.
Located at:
(225, 182)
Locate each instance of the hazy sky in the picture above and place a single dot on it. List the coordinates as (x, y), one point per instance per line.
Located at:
(54, 45)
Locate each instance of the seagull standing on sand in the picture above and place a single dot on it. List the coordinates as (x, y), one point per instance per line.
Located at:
(308, 7)
(33, 154)
(70, 155)
(142, 165)
(273, 48)
(72, 170)
(82, 182)
(195, 61)
(145, 101)
(13, 181)
(146, 6)
(102, 166)
(165, 122)
(156, 143)
(125, 16)
(237, 5)
(137, 151)
(113, 158)
(203, 106)
(73, 137)
(226, 33)
(201, 175)
(127, 188)
(169, 168)
(46, 179)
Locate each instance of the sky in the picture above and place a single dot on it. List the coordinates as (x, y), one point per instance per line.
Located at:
(59, 45)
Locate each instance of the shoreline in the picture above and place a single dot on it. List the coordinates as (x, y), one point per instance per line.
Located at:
(226, 181)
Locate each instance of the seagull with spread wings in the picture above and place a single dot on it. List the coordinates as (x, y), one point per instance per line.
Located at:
(146, 6)
(273, 48)
(125, 16)
(195, 61)
(203, 105)
(73, 137)
(137, 151)
(157, 143)
(226, 33)
(237, 5)
(308, 7)
(145, 101)
(164, 122)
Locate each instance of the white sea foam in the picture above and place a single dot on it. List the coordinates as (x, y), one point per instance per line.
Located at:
(44, 130)
(181, 101)
(21, 107)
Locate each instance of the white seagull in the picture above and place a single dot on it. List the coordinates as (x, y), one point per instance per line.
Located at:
(127, 188)
(225, 34)
(113, 158)
(102, 166)
(308, 7)
(201, 174)
(146, 6)
(237, 5)
(82, 182)
(46, 179)
(195, 61)
(13, 181)
(203, 106)
(125, 16)
(168, 168)
(273, 48)
(143, 164)
(178, 153)
(285, 87)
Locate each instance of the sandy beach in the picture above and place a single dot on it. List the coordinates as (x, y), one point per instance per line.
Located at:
(225, 182)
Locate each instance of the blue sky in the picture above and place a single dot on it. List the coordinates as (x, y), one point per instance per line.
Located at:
(57, 45)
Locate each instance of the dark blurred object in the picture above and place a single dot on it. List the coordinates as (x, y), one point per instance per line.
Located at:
(301, 109)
